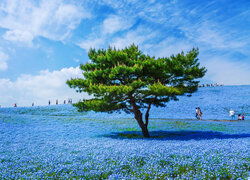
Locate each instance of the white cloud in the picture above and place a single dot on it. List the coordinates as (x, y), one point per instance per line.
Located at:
(115, 23)
(19, 36)
(214, 36)
(106, 31)
(25, 19)
(76, 60)
(91, 43)
(3, 61)
(227, 72)
(170, 46)
(40, 88)
(140, 36)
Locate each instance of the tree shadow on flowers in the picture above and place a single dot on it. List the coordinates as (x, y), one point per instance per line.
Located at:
(176, 135)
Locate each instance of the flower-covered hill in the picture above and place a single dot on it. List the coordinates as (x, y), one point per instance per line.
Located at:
(59, 142)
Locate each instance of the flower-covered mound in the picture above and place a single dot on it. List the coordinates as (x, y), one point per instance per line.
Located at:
(57, 142)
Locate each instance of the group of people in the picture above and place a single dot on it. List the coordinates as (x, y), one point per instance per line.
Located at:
(232, 115)
(198, 113)
(64, 102)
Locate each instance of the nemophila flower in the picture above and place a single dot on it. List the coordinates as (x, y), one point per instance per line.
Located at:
(35, 143)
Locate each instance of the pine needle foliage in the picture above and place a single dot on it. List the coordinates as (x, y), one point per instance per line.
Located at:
(128, 80)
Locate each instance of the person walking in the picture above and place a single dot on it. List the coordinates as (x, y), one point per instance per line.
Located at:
(196, 113)
(56, 101)
(231, 114)
(199, 113)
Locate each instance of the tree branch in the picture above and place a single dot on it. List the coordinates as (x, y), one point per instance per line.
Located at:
(130, 110)
(147, 113)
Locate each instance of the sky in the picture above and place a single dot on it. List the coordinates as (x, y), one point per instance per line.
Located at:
(43, 42)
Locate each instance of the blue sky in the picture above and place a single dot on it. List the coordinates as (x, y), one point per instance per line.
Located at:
(43, 42)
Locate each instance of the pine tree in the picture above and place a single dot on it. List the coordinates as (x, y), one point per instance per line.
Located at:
(128, 80)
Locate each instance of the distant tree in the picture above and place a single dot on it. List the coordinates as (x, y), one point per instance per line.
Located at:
(131, 81)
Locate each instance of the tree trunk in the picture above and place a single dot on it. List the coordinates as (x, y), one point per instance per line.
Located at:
(145, 131)
(143, 126)
(138, 117)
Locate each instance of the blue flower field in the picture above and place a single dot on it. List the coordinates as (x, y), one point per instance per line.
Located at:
(57, 142)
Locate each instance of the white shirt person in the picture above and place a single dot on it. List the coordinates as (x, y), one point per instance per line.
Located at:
(231, 114)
